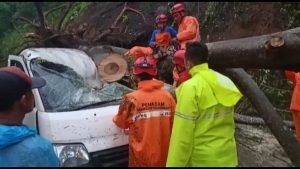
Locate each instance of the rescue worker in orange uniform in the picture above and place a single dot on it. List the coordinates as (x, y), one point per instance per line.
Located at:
(162, 35)
(148, 113)
(180, 73)
(160, 39)
(295, 101)
(188, 26)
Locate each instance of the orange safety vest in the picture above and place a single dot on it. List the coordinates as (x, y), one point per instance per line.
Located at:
(148, 113)
(163, 39)
(188, 31)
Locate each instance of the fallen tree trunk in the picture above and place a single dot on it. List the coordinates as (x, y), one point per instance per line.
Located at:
(240, 118)
(274, 51)
(272, 119)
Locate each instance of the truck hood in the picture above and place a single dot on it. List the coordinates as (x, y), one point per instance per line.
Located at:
(92, 127)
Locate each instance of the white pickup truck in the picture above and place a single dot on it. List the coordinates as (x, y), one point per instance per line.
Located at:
(74, 110)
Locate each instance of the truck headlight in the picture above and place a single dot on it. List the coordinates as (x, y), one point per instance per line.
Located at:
(71, 155)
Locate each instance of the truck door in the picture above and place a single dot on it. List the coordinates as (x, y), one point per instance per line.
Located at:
(30, 118)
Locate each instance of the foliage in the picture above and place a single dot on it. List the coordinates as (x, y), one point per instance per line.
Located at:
(13, 30)
(214, 16)
(11, 42)
(76, 12)
(241, 13)
(125, 19)
(276, 87)
(292, 11)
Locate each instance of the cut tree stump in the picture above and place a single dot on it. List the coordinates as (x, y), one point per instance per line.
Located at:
(111, 65)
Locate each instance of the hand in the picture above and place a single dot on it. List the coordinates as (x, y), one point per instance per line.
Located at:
(175, 75)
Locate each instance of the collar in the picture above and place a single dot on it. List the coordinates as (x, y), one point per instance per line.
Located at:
(161, 31)
(197, 68)
(150, 84)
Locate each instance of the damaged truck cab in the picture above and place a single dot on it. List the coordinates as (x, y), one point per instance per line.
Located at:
(74, 110)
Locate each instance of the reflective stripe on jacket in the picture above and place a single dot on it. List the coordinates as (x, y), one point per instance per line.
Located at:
(148, 113)
(188, 31)
(203, 129)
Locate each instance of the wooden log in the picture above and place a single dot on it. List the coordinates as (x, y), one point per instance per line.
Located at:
(274, 51)
(110, 64)
(240, 118)
(272, 119)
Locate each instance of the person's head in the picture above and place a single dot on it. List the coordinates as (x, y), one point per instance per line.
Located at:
(196, 53)
(161, 21)
(178, 60)
(145, 68)
(15, 91)
(178, 12)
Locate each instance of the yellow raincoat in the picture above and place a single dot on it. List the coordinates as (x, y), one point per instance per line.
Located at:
(203, 129)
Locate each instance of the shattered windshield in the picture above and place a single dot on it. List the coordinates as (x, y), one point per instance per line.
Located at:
(66, 90)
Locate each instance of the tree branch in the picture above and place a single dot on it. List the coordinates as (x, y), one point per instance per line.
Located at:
(40, 13)
(120, 15)
(15, 28)
(59, 26)
(27, 21)
(46, 13)
(55, 36)
(138, 12)
(117, 20)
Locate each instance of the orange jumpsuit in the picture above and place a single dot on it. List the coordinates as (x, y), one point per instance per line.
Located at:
(148, 113)
(188, 31)
(295, 101)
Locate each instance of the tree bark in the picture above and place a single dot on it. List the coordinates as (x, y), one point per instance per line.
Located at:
(272, 119)
(59, 26)
(274, 51)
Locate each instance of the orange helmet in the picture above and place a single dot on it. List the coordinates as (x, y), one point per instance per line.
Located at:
(177, 8)
(145, 64)
(178, 58)
(162, 18)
